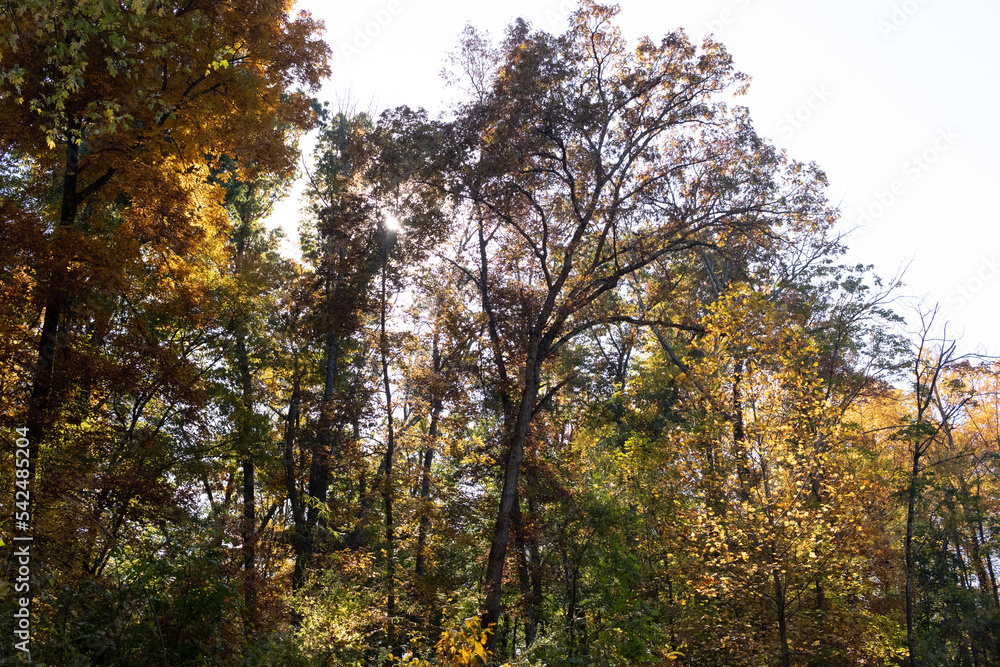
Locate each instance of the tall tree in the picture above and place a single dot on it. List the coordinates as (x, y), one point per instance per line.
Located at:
(581, 162)
(126, 107)
(253, 274)
(930, 420)
(123, 110)
(372, 220)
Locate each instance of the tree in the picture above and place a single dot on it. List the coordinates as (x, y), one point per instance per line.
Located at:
(367, 206)
(115, 119)
(253, 276)
(931, 417)
(126, 108)
(580, 162)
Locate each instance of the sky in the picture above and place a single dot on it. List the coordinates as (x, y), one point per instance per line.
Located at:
(896, 100)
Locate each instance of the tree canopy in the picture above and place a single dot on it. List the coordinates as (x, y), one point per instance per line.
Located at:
(573, 374)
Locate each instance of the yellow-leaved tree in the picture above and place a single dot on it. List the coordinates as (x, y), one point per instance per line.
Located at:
(117, 120)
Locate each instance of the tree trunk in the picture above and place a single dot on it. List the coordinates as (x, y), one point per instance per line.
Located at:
(319, 467)
(249, 527)
(779, 601)
(989, 566)
(739, 435)
(975, 553)
(387, 490)
(516, 438)
(523, 577)
(425, 472)
(536, 566)
(911, 500)
(249, 546)
(291, 484)
(55, 300)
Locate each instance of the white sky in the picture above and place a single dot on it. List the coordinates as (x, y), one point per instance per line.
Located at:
(895, 99)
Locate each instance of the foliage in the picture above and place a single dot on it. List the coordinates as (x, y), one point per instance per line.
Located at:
(461, 646)
(570, 375)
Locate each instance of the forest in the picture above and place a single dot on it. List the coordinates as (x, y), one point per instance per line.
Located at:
(573, 374)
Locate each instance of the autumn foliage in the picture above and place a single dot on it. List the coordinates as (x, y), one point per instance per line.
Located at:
(571, 375)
